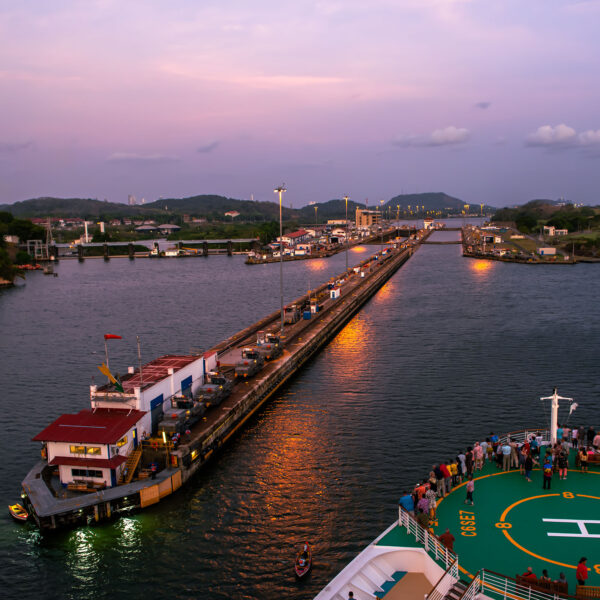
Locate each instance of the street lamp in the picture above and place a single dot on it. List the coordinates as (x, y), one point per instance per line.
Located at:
(280, 191)
(346, 240)
(316, 216)
(397, 220)
(381, 224)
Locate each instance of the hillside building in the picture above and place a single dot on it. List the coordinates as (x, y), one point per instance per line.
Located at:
(367, 218)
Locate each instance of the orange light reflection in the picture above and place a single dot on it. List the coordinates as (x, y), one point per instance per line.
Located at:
(482, 267)
(358, 249)
(316, 264)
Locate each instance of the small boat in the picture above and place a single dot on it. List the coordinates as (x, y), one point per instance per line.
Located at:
(303, 561)
(18, 513)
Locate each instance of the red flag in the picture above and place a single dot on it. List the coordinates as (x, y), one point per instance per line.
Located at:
(110, 336)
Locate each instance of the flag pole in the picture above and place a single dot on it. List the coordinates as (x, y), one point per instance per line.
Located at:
(139, 358)
(106, 352)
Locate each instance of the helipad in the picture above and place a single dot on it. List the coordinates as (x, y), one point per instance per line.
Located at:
(515, 524)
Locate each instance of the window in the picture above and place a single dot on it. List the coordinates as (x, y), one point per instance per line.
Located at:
(86, 473)
(97, 450)
(122, 441)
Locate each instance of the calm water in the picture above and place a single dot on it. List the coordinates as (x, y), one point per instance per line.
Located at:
(448, 350)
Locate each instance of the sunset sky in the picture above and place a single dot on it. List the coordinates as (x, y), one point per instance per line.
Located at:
(493, 101)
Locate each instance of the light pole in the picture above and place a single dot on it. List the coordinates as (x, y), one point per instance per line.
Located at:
(280, 191)
(346, 199)
(397, 220)
(316, 216)
(381, 224)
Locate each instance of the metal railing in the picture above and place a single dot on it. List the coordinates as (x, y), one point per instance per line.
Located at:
(473, 589)
(499, 586)
(523, 435)
(430, 542)
(445, 583)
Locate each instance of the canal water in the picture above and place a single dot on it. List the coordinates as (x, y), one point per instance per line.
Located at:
(447, 351)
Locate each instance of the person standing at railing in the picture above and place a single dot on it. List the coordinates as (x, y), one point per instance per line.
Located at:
(431, 496)
(506, 452)
(423, 519)
(407, 503)
(478, 454)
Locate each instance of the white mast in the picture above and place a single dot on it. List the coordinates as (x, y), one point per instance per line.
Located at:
(554, 415)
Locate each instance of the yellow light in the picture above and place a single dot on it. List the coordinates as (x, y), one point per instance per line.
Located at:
(164, 437)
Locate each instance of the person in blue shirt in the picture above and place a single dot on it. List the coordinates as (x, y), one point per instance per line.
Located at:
(407, 503)
(559, 434)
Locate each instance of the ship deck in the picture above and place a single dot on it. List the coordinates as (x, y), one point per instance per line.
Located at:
(515, 524)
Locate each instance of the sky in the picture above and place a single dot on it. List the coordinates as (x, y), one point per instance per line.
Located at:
(493, 101)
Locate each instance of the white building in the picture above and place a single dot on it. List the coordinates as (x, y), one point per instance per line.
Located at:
(296, 237)
(93, 445)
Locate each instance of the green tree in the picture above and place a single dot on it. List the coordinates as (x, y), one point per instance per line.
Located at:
(267, 232)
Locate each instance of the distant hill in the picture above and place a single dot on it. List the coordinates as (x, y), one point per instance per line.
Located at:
(213, 207)
(430, 200)
(332, 209)
(69, 207)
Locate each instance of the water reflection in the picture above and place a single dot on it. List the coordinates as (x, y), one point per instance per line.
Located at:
(129, 538)
(316, 264)
(482, 268)
(83, 560)
(358, 249)
(386, 293)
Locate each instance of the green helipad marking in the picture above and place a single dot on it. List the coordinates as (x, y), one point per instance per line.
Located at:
(509, 526)
(398, 537)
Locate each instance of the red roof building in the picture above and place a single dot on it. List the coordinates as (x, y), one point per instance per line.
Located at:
(99, 426)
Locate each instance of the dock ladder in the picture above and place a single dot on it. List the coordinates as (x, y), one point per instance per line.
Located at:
(131, 465)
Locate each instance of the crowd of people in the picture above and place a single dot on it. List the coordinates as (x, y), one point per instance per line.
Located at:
(421, 502)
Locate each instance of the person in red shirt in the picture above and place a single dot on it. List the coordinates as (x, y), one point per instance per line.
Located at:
(582, 571)
(529, 575)
(448, 540)
(447, 477)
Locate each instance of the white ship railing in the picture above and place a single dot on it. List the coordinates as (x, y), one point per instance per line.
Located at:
(474, 588)
(446, 582)
(428, 540)
(495, 585)
(524, 434)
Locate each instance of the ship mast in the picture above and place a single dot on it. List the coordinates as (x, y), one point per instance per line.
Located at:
(554, 414)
